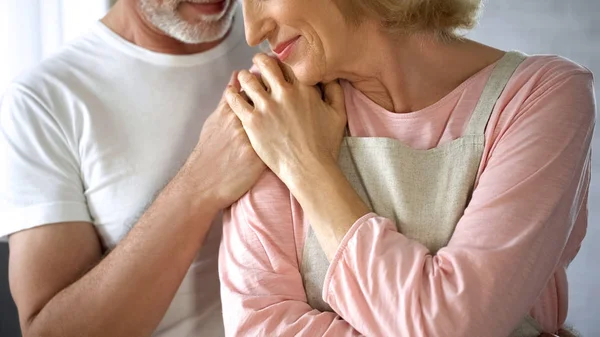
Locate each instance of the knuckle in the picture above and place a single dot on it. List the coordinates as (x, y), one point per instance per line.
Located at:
(235, 101)
(229, 98)
(262, 59)
(245, 76)
(250, 80)
(269, 62)
(237, 104)
(286, 87)
(256, 85)
(224, 105)
(269, 106)
(257, 59)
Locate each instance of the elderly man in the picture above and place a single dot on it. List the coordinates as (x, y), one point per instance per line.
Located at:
(112, 173)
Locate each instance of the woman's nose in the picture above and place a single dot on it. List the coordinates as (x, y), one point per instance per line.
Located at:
(257, 23)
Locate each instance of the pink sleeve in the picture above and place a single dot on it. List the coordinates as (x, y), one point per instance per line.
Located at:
(261, 286)
(505, 247)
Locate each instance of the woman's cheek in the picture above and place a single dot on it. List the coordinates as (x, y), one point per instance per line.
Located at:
(308, 71)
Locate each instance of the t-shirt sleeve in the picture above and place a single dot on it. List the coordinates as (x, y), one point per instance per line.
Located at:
(39, 172)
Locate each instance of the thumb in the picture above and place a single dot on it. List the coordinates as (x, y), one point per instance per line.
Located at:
(334, 95)
(233, 81)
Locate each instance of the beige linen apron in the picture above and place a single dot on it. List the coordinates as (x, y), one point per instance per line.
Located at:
(424, 191)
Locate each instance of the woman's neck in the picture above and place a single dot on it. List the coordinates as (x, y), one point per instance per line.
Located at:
(413, 72)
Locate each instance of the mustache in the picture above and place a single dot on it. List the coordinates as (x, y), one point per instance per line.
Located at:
(202, 1)
(173, 4)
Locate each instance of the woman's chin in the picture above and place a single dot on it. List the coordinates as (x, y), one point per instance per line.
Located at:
(306, 74)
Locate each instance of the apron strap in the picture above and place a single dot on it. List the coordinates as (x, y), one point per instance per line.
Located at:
(494, 87)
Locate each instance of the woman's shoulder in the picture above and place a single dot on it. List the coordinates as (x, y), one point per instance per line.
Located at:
(554, 63)
(539, 72)
(544, 81)
(545, 94)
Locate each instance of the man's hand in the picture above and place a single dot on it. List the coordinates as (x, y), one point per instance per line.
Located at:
(223, 164)
(64, 287)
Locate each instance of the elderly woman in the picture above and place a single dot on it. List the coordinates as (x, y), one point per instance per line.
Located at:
(449, 203)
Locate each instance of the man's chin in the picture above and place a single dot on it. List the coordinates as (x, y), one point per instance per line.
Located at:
(202, 32)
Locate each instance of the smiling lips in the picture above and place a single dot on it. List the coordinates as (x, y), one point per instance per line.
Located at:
(284, 50)
(209, 7)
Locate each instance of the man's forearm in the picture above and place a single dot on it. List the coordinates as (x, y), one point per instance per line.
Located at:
(129, 291)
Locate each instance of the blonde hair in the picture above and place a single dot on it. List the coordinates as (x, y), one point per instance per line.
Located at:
(442, 17)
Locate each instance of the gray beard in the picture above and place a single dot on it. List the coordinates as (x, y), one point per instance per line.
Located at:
(208, 28)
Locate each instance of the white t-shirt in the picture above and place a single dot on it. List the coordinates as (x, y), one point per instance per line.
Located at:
(96, 131)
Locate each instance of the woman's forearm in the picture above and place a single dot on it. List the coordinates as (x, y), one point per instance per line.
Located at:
(261, 286)
(328, 201)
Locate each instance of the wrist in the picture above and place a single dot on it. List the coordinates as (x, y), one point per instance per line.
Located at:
(324, 189)
(308, 173)
(329, 202)
(199, 199)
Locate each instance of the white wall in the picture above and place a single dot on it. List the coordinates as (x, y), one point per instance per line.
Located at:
(570, 28)
(30, 30)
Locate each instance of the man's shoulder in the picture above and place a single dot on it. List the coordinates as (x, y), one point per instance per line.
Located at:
(54, 86)
(62, 65)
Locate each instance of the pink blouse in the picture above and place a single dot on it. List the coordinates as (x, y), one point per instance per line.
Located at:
(508, 255)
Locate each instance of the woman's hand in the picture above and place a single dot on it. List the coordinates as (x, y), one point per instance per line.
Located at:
(291, 126)
(297, 131)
